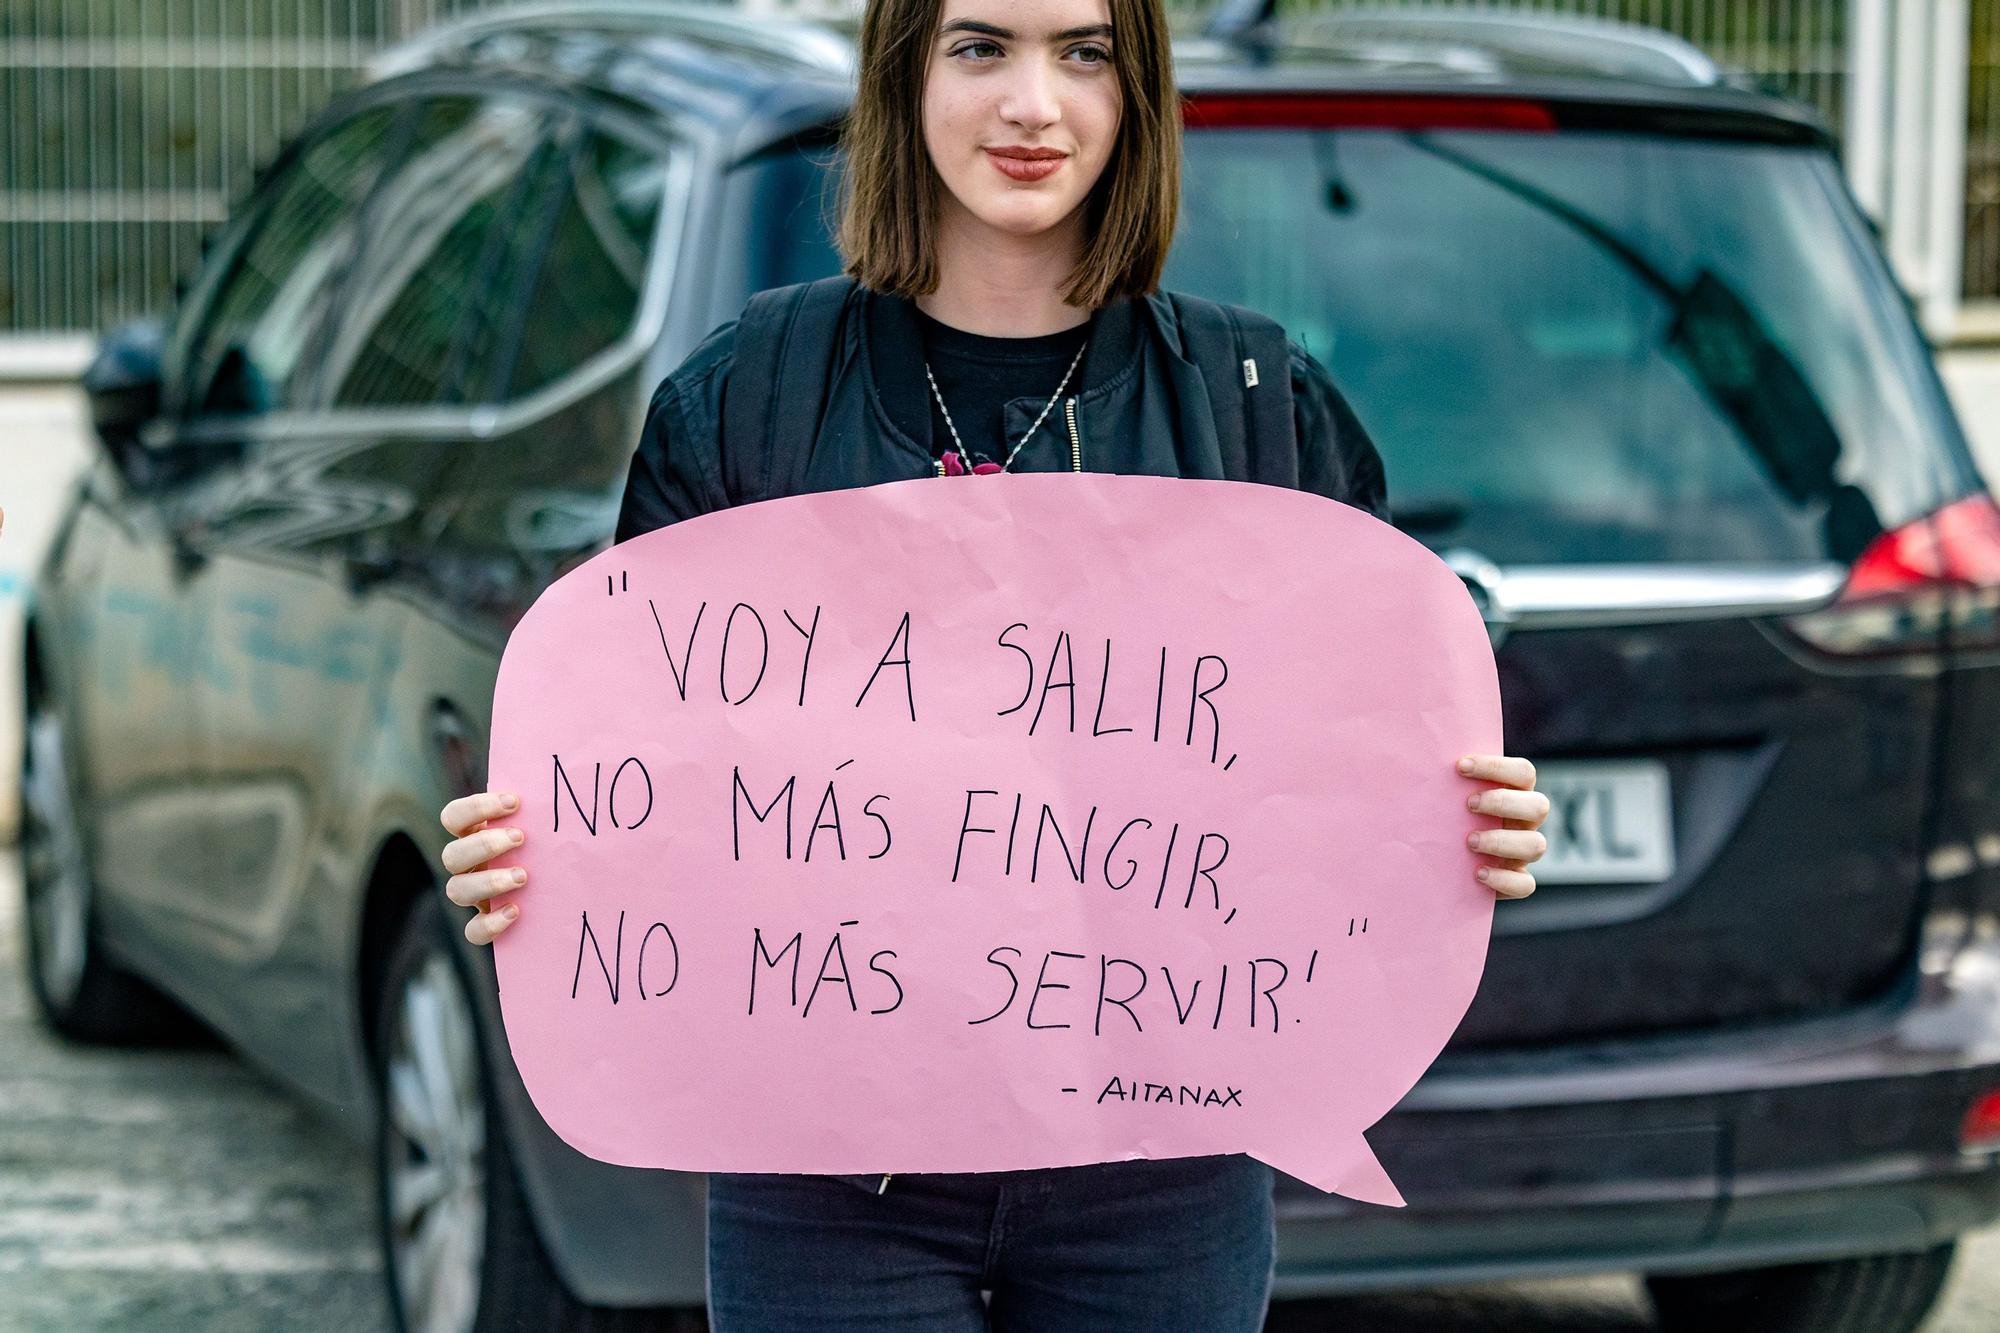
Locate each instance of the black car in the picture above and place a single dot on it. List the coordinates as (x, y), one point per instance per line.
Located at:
(1638, 372)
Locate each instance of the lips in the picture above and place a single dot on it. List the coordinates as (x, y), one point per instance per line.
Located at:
(1026, 164)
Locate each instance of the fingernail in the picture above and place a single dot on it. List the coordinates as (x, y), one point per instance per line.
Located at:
(1472, 802)
(1472, 841)
(1484, 874)
(509, 912)
(514, 836)
(509, 800)
(520, 876)
(1465, 765)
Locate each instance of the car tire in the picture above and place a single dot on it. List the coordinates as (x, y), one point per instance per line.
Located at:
(1884, 1293)
(78, 991)
(460, 1250)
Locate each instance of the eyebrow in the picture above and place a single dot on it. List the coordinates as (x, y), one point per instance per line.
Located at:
(991, 30)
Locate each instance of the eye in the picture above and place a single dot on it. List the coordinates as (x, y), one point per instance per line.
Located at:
(969, 47)
(1099, 54)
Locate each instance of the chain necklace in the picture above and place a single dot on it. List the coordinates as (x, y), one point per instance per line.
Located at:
(959, 462)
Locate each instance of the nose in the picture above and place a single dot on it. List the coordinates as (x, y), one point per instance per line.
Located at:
(1031, 100)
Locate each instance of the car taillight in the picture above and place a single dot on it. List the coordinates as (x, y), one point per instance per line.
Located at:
(1981, 1130)
(1960, 543)
(1313, 111)
(1933, 580)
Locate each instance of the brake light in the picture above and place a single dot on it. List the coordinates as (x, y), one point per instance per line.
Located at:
(1314, 111)
(1981, 1130)
(1915, 585)
(1960, 543)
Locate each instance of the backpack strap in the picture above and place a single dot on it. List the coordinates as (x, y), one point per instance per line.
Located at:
(780, 366)
(1246, 367)
(782, 359)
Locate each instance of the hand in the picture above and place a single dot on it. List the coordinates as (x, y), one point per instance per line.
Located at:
(1521, 810)
(473, 845)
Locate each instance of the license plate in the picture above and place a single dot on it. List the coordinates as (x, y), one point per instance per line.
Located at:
(1610, 822)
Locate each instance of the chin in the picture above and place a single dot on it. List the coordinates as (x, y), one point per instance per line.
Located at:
(1023, 217)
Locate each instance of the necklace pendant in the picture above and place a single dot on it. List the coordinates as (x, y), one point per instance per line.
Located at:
(984, 469)
(953, 466)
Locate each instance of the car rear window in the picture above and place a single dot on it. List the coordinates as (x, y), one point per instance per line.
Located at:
(1584, 347)
(1590, 346)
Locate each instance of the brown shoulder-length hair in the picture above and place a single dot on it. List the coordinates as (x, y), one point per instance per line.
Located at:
(890, 191)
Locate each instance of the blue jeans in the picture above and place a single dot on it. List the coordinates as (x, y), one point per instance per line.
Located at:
(1183, 1245)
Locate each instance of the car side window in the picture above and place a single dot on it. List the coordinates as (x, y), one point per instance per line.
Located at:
(585, 293)
(446, 233)
(250, 340)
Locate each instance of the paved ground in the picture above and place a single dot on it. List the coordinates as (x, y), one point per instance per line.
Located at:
(166, 1190)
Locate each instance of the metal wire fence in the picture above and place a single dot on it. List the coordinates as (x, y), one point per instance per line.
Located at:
(128, 128)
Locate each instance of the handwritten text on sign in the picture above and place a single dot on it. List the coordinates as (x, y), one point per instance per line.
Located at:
(1025, 821)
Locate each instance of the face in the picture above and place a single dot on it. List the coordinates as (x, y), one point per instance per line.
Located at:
(1020, 109)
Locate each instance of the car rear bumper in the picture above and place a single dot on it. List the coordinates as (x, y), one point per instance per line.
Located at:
(1678, 1186)
(1818, 1141)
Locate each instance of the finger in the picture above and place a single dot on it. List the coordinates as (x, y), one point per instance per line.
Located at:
(476, 849)
(482, 929)
(472, 890)
(463, 815)
(1522, 845)
(1507, 770)
(1507, 883)
(1529, 808)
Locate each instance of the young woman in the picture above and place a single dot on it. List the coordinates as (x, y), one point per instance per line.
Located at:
(1011, 191)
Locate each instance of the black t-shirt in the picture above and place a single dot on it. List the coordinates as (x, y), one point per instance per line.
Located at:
(979, 375)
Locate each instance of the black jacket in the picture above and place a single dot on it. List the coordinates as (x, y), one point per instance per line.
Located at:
(1141, 411)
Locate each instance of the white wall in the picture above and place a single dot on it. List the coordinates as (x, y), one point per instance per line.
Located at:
(1973, 376)
(44, 440)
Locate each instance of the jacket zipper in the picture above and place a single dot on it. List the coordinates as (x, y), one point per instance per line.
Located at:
(1075, 465)
(883, 1186)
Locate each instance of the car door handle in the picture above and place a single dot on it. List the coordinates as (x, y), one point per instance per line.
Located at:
(188, 559)
(367, 570)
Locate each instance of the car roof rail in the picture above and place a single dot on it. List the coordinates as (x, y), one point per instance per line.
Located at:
(1576, 43)
(720, 27)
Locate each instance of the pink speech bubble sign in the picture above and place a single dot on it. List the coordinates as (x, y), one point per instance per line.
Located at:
(1246, 920)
